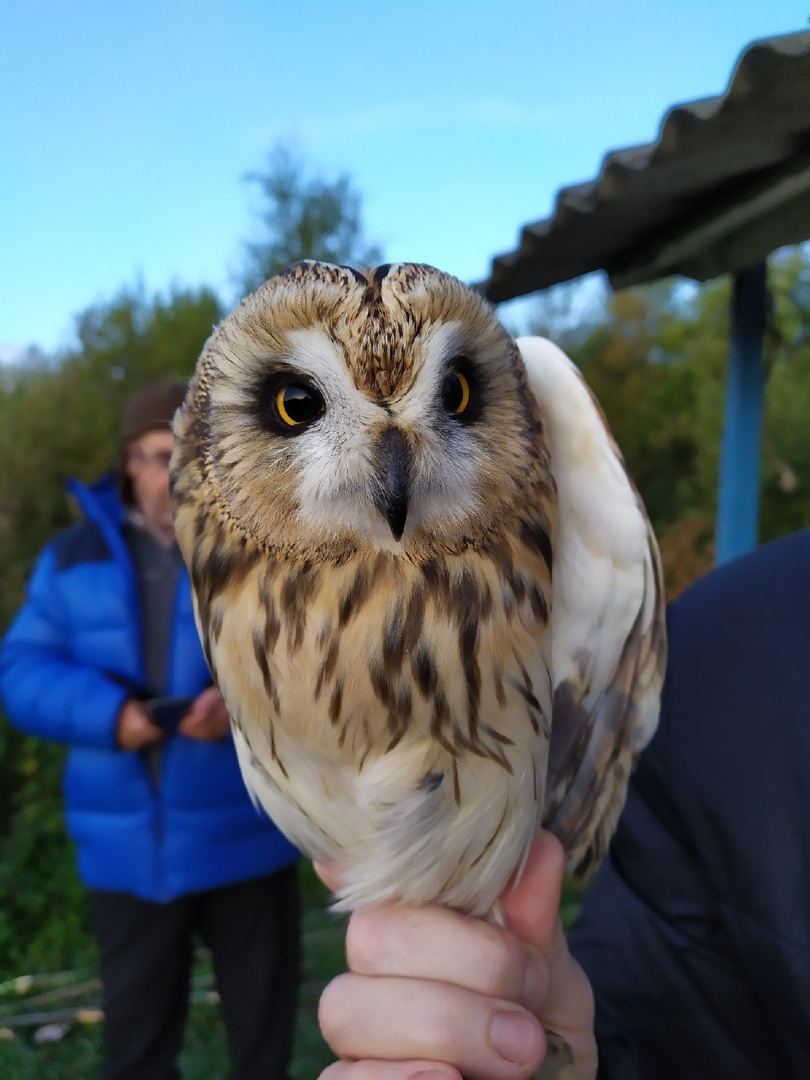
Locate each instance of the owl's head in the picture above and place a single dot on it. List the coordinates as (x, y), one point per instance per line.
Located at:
(381, 408)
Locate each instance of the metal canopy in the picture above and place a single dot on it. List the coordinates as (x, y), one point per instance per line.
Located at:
(726, 182)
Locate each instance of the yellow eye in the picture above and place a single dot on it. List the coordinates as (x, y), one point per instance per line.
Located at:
(297, 404)
(455, 392)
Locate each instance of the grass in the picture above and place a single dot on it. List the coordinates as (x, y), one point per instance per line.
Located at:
(77, 1056)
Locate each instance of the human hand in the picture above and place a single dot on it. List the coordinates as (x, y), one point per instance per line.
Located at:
(437, 995)
(207, 719)
(135, 729)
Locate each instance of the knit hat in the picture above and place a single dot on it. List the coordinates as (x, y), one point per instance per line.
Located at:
(151, 408)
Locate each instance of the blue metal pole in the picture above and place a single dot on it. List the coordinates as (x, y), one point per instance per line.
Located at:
(738, 497)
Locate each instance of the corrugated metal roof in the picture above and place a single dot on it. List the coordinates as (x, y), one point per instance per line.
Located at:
(726, 182)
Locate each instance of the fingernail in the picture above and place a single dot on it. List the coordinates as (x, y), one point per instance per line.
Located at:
(516, 1037)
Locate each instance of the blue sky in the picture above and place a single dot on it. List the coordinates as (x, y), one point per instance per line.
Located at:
(127, 126)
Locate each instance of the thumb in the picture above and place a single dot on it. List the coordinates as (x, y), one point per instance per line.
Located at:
(531, 908)
(531, 905)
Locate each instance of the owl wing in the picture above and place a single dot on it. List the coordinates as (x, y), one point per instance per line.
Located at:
(607, 623)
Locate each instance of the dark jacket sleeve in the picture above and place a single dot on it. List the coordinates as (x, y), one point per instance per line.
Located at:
(617, 1059)
(45, 689)
(695, 932)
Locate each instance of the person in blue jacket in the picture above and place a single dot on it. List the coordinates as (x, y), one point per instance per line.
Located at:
(104, 656)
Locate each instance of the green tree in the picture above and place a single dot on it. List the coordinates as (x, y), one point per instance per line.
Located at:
(59, 418)
(304, 218)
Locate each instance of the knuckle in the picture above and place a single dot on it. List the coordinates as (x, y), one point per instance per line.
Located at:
(332, 1010)
(336, 1071)
(503, 965)
(367, 934)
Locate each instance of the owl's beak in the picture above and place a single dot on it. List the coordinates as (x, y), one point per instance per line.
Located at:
(392, 491)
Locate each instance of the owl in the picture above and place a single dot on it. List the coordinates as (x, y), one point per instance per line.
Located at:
(426, 586)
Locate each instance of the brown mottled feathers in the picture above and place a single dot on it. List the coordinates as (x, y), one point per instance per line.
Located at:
(410, 695)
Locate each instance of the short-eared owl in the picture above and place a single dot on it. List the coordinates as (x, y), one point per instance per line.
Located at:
(427, 588)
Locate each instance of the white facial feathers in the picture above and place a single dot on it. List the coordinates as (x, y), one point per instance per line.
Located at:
(389, 459)
(335, 457)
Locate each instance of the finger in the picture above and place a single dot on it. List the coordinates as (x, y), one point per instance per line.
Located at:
(389, 1070)
(531, 906)
(150, 732)
(531, 909)
(209, 702)
(204, 702)
(411, 1019)
(194, 720)
(141, 740)
(329, 873)
(434, 942)
(199, 730)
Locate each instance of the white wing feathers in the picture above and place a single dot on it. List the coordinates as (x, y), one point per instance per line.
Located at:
(608, 636)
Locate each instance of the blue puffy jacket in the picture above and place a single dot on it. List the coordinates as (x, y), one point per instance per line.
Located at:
(71, 658)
